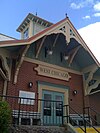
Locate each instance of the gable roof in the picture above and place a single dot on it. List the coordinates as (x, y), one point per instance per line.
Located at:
(47, 31)
(31, 39)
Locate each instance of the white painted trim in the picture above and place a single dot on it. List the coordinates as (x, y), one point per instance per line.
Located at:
(52, 72)
(93, 69)
(94, 86)
(3, 54)
(5, 87)
(20, 61)
(89, 68)
(94, 92)
(51, 65)
(2, 74)
(41, 44)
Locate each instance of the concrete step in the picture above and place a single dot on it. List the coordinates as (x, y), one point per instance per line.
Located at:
(88, 130)
(38, 129)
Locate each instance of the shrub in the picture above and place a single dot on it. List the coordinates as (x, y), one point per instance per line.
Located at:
(5, 116)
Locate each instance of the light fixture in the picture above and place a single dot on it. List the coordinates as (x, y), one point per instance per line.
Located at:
(30, 84)
(74, 92)
(64, 56)
(48, 51)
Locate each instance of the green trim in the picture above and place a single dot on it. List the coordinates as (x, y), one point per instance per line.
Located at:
(53, 85)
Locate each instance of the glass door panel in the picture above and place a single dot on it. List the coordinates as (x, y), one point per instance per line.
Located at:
(58, 97)
(58, 105)
(47, 104)
(47, 108)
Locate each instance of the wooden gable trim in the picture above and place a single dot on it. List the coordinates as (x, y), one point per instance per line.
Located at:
(4, 54)
(91, 69)
(3, 75)
(73, 53)
(52, 66)
(54, 29)
(40, 46)
(55, 40)
(19, 63)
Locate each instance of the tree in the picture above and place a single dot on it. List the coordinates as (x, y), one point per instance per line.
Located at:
(5, 116)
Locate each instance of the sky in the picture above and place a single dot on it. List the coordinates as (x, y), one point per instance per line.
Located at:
(84, 14)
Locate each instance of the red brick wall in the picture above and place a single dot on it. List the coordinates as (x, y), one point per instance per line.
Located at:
(94, 100)
(28, 74)
(95, 105)
(76, 101)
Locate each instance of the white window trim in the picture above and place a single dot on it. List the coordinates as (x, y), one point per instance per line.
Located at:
(26, 94)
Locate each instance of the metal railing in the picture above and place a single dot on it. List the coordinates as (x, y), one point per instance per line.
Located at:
(93, 115)
(28, 111)
(71, 120)
(83, 117)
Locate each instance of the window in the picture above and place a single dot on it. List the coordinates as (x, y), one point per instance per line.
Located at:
(47, 105)
(27, 97)
(26, 33)
(58, 105)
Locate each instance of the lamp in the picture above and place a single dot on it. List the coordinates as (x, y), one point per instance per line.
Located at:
(64, 56)
(48, 51)
(30, 84)
(74, 92)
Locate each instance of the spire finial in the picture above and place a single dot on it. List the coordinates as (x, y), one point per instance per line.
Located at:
(66, 15)
(36, 14)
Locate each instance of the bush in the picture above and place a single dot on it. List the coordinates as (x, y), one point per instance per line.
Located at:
(5, 116)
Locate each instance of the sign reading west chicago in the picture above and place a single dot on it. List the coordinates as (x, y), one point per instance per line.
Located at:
(53, 72)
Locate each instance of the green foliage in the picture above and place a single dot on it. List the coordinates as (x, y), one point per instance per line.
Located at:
(5, 116)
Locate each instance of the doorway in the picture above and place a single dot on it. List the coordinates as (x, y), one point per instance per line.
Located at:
(52, 107)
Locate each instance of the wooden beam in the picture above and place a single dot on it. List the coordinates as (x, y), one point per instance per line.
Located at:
(55, 40)
(46, 24)
(3, 75)
(29, 19)
(40, 46)
(87, 89)
(89, 68)
(41, 22)
(4, 54)
(72, 54)
(95, 85)
(37, 20)
(19, 63)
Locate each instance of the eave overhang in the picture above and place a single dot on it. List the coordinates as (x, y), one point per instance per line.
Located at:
(50, 30)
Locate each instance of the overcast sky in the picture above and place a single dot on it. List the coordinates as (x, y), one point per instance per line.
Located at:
(84, 14)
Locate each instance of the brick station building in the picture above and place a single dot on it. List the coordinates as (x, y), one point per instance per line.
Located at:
(52, 62)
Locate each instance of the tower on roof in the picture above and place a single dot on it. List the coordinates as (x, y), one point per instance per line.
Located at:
(32, 25)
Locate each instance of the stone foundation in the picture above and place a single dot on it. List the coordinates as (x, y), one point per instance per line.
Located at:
(37, 129)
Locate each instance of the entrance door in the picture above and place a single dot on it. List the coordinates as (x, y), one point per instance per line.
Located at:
(52, 108)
